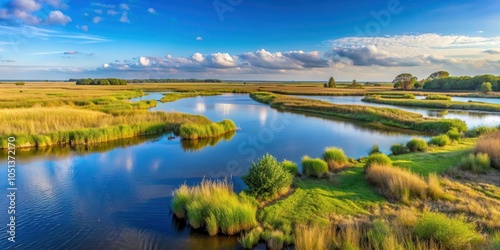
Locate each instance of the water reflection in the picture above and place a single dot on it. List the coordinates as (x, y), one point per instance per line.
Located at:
(196, 145)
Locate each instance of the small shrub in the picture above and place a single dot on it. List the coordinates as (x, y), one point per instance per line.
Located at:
(276, 240)
(440, 140)
(408, 96)
(452, 233)
(374, 150)
(454, 135)
(291, 167)
(380, 159)
(335, 157)
(399, 183)
(490, 144)
(438, 97)
(399, 149)
(478, 164)
(20, 83)
(417, 145)
(314, 167)
(267, 178)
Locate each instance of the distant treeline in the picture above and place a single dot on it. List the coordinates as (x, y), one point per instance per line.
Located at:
(172, 80)
(103, 81)
(463, 83)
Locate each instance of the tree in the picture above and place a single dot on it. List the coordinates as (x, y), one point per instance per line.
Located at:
(404, 81)
(486, 87)
(354, 83)
(267, 177)
(438, 75)
(331, 83)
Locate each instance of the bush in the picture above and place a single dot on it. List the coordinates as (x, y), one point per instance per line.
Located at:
(20, 83)
(267, 178)
(399, 149)
(481, 130)
(399, 183)
(490, 144)
(335, 157)
(374, 150)
(214, 204)
(291, 167)
(478, 164)
(454, 135)
(380, 159)
(452, 233)
(417, 145)
(314, 167)
(440, 140)
(408, 96)
(438, 97)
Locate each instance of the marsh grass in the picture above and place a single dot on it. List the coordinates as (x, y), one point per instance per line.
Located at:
(478, 163)
(452, 233)
(436, 104)
(171, 97)
(399, 149)
(387, 116)
(335, 158)
(398, 183)
(291, 167)
(215, 206)
(250, 239)
(377, 159)
(490, 144)
(308, 237)
(417, 145)
(192, 131)
(438, 97)
(440, 140)
(314, 167)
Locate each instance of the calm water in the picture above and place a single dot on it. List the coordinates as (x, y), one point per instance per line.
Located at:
(117, 195)
(472, 118)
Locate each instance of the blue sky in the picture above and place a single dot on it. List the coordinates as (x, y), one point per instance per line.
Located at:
(247, 39)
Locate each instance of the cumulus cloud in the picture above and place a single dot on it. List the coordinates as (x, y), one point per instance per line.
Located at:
(57, 18)
(26, 12)
(289, 60)
(152, 11)
(144, 61)
(99, 12)
(196, 57)
(199, 38)
(410, 50)
(107, 6)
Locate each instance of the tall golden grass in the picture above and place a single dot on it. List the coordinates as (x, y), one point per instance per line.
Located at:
(490, 144)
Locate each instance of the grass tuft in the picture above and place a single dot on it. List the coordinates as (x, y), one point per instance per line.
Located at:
(440, 140)
(490, 144)
(315, 167)
(335, 157)
(417, 145)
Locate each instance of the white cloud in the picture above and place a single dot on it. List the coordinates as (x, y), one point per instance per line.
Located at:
(124, 6)
(57, 18)
(152, 11)
(99, 12)
(199, 38)
(107, 6)
(97, 19)
(112, 12)
(197, 57)
(124, 17)
(144, 61)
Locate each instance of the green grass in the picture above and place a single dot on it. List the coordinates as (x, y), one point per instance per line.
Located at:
(452, 233)
(399, 149)
(335, 157)
(215, 206)
(250, 239)
(435, 104)
(438, 97)
(436, 159)
(387, 116)
(377, 159)
(291, 167)
(314, 167)
(440, 140)
(192, 131)
(417, 145)
(315, 200)
(478, 164)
